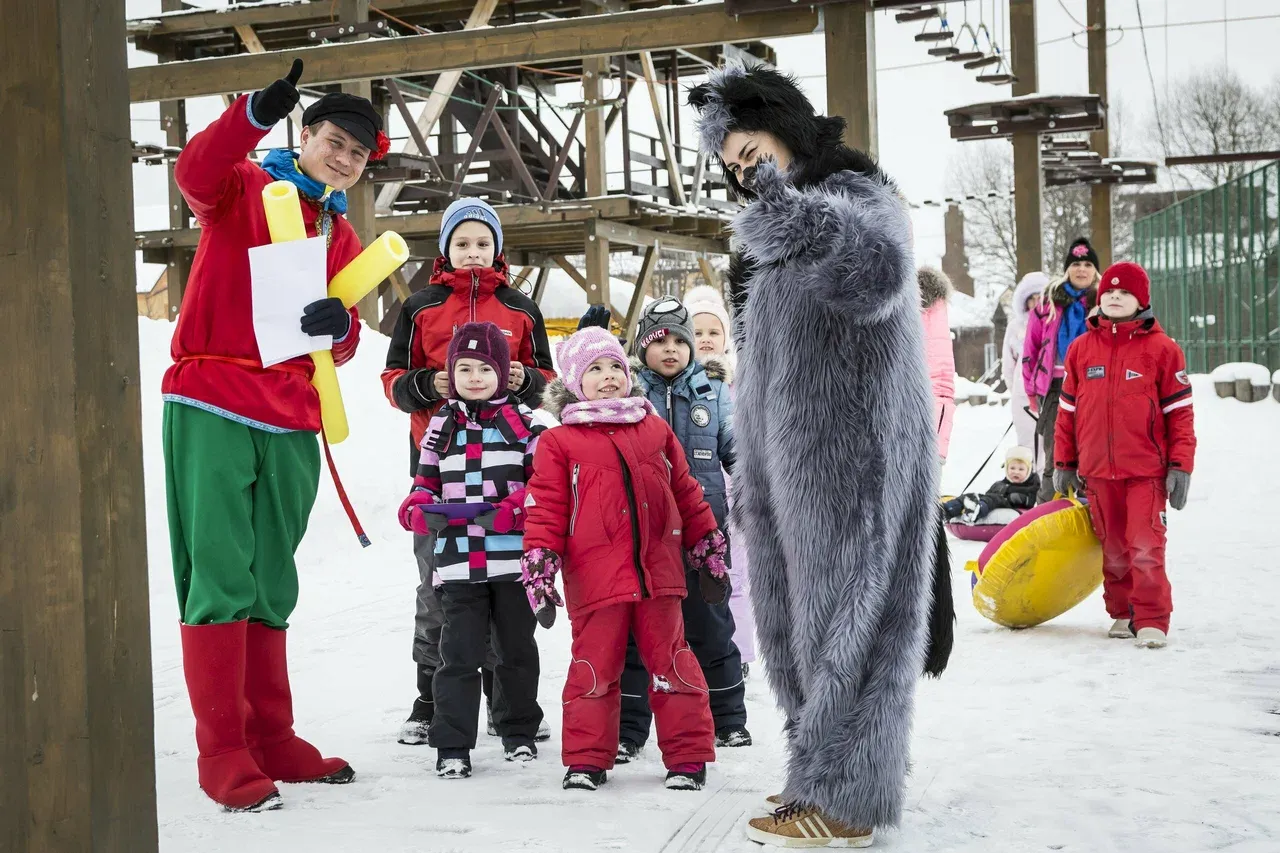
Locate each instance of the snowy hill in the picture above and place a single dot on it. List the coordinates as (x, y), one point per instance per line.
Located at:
(1050, 739)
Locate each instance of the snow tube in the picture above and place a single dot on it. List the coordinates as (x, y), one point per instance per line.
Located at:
(1038, 567)
(985, 528)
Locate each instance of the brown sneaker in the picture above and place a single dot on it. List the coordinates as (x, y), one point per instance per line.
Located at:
(799, 827)
(773, 802)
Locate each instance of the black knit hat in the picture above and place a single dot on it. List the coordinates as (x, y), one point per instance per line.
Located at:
(666, 316)
(759, 98)
(1081, 251)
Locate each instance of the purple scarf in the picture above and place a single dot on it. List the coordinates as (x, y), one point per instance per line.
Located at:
(628, 410)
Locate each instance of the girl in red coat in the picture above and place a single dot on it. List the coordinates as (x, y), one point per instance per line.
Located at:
(1126, 429)
(612, 504)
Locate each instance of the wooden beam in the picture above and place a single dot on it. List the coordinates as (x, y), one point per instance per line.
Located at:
(1100, 194)
(477, 133)
(1028, 177)
(709, 273)
(211, 21)
(579, 279)
(436, 102)
(253, 44)
(77, 740)
(642, 287)
(571, 139)
(415, 132)
(674, 180)
(595, 166)
(592, 36)
(630, 235)
(173, 120)
(540, 285)
(360, 198)
(851, 71)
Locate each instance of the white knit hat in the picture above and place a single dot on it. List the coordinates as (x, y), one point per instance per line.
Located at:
(705, 299)
(1020, 454)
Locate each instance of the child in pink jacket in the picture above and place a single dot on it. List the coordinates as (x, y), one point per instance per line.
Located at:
(935, 290)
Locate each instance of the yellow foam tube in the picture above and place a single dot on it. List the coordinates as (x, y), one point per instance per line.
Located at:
(284, 212)
(370, 268)
(333, 414)
(1044, 570)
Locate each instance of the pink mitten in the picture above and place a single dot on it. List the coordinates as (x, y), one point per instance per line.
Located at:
(411, 520)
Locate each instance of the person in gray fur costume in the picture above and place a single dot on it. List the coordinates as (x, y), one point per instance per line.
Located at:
(836, 480)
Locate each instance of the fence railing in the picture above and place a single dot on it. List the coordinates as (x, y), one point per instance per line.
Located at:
(1214, 261)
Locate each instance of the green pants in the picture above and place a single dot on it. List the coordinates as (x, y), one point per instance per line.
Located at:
(239, 499)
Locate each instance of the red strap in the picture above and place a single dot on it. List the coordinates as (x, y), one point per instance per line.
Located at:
(342, 493)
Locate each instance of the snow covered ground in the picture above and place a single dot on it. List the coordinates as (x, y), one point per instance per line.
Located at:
(1051, 739)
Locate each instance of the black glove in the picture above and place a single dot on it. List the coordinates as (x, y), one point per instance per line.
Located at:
(273, 103)
(326, 317)
(597, 315)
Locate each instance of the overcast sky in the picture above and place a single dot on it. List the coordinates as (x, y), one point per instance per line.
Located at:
(915, 146)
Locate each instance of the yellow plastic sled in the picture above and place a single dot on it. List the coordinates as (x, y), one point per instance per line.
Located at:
(1038, 567)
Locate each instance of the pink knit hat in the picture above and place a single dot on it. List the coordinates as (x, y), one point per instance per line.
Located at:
(585, 346)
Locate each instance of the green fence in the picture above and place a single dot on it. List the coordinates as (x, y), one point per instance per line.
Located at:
(1214, 261)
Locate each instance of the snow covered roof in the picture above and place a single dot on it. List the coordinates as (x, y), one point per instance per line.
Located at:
(967, 312)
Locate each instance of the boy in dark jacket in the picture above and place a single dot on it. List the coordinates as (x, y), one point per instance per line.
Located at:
(697, 404)
(478, 453)
(1127, 431)
(468, 284)
(1016, 491)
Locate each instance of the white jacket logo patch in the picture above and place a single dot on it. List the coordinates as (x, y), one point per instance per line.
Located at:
(1181, 376)
(1132, 374)
(700, 415)
(1095, 373)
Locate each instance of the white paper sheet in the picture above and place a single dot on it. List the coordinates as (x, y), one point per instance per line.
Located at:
(287, 277)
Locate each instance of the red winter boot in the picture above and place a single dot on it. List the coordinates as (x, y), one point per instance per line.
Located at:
(213, 660)
(280, 753)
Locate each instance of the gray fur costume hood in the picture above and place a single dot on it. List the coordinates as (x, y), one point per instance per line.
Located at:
(836, 478)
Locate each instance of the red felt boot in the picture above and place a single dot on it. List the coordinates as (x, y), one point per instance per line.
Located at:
(280, 753)
(213, 660)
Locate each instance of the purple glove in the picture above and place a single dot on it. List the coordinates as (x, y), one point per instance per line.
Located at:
(708, 558)
(411, 520)
(538, 570)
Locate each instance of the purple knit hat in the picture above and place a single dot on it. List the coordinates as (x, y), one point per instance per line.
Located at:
(483, 342)
(585, 346)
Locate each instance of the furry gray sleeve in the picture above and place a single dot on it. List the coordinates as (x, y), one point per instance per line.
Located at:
(847, 242)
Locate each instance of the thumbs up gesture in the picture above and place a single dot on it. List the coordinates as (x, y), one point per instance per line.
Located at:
(273, 103)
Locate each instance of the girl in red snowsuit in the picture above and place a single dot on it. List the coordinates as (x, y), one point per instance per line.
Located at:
(612, 504)
(1126, 428)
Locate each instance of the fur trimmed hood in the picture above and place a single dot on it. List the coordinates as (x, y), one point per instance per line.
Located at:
(1032, 284)
(557, 397)
(716, 367)
(760, 98)
(935, 287)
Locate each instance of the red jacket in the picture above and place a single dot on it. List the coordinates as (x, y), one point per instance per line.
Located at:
(427, 322)
(618, 504)
(1126, 403)
(215, 351)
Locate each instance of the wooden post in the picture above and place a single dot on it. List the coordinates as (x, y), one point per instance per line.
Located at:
(596, 248)
(851, 70)
(76, 721)
(1028, 180)
(360, 198)
(1100, 221)
(173, 118)
(674, 179)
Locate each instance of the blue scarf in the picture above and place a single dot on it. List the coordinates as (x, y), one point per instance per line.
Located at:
(282, 164)
(1074, 317)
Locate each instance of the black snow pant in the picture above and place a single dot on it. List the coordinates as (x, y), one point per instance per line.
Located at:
(473, 611)
(708, 628)
(1047, 421)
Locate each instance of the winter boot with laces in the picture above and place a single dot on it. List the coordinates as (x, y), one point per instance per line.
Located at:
(731, 736)
(453, 765)
(522, 752)
(415, 729)
(686, 777)
(628, 751)
(582, 778)
(1121, 629)
(798, 826)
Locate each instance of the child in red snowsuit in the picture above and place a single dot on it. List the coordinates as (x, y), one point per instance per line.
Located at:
(1126, 429)
(612, 504)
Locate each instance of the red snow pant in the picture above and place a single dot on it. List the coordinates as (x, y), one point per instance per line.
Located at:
(677, 691)
(1128, 516)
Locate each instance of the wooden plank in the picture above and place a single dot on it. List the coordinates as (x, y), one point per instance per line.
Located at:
(360, 198)
(709, 273)
(594, 296)
(1028, 179)
(540, 286)
(517, 161)
(415, 132)
(651, 29)
(437, 101)
(77, 739)
(595, 166)
(664, 133)
(253, 44)
(477, 133)
(191, 21)
(642, 287)
(571, 138)
(1100, 194)
(631, 235)
(173, 120)
(850, 37)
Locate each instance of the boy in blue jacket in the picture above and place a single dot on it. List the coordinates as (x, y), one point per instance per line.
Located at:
(697, 404)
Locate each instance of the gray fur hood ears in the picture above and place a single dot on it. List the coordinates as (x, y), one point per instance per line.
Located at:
(935, 287)
(556, 397)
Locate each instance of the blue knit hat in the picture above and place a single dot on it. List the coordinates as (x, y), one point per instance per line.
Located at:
(469, 208)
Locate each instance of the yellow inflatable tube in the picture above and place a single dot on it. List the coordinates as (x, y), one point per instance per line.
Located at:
(1050, 563)
(383, 257)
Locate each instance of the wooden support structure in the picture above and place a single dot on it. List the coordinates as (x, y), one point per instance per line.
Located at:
(1100, 194)
(437, 101)
(1027, 177)
(674, 179)
(77, 741)
(173, 119)
(253, 44)
(579, 279)
(594, 168)
(360, 198)
(643, 280)
(662, 28)
(851, 70)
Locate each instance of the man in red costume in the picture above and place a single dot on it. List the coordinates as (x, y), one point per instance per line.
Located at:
(241, 457)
